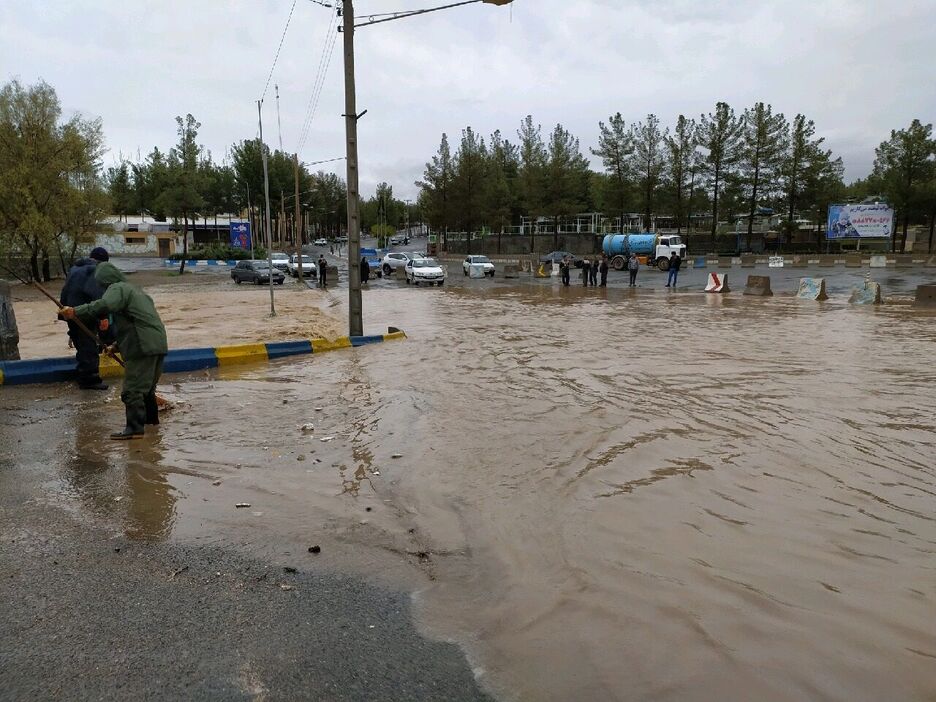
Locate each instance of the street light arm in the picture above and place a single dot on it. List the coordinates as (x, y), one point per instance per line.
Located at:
(411, 13)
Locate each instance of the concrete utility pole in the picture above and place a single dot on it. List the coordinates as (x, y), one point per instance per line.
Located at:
(266, 192)
(298, 223)
(355, 309)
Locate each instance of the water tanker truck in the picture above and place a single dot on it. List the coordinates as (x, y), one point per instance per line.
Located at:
(656, 247)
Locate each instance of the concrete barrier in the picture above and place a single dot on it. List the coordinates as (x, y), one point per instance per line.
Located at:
(867, 294)
(717, 283)
(51, 370)
(511, 270)
(930, 262)
(758, 285)
(724, 261)
(699, 262)
(853, 261)
(925, 296)
(812, 289)
(748, 260)
(878, 261)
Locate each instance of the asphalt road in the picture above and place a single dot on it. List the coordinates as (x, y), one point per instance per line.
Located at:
(89, 615)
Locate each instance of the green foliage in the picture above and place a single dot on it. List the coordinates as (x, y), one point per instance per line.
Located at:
(219, 251)
(720, 135)
(51, 190)
(763, 145)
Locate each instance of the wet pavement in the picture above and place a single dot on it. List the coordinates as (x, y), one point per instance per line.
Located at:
(599, 494)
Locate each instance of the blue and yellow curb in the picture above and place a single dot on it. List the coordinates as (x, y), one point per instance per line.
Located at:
(55, 370)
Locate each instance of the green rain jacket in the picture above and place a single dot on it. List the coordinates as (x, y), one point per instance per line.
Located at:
(140, 331)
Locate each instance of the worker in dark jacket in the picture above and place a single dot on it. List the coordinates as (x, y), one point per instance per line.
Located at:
(141, 340)
(675, 262)
(603, 268)
(81, 288)
(322, 271)
(365, 270)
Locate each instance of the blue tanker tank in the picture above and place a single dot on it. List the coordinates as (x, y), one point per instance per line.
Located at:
(626, 244)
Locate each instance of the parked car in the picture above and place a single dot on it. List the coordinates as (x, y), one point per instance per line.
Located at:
(280, 260)
(343, 239)
(424, 270)
(320, 242)
(557, 256)
(394, 261)
(483, 261)
(308, 266)
(399, 239)
(257, 272)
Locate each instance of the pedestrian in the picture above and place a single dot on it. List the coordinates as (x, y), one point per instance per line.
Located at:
(586, 272)
(564, 268)
(365, 271)
(141, 340)
(674, 263)
(81, 288)
(633, 265)
(322, 271)
(604, 270)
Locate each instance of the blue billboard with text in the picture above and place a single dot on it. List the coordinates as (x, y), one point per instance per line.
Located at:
(240, 235)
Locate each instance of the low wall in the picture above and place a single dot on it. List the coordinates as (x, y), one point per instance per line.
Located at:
(52, 370)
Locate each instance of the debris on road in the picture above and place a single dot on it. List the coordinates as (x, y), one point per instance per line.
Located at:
(315, 549)
(397, 455)
(216, 483)
(307, 428)
(289, 569)
(326, 439)
(284, 586)
(241, 505)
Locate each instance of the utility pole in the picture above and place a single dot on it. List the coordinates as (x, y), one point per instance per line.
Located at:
(355, 311)
(266, 192)
(298, 223)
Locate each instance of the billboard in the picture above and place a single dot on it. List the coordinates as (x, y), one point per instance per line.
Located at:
(240, 235)
(859, 221)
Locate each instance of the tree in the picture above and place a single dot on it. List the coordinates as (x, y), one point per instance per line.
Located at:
(500, 197)
(183, 196)
(803, 157)
(719, 135)
(120, 188)
(436, 185)
(648, 159)
(763, 146)
(615, 147)
(49, 174)
(468, 180)
(531, 176)
(905, 163)
(681, 147)
(566, 183)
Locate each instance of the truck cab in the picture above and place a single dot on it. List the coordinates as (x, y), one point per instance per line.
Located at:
(666, 246)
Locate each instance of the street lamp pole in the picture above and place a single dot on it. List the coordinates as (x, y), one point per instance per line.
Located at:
(355, 309)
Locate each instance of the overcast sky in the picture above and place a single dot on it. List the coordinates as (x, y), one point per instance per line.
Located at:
(857, 67)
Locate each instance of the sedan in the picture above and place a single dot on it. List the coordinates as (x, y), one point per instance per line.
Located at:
(558, 256)
(483, 261)
(280, 260)
(394, 261)
(424, 270)
(320, 242)
(308, 266)
(257, 272)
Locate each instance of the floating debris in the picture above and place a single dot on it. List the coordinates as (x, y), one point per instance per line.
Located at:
(241, 505)
(307, 428)
(315, 549)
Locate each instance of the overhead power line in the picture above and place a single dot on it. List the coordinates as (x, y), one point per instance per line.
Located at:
(328, 48)
(278, 49)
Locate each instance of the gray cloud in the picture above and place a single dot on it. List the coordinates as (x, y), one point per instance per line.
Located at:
(856, 68)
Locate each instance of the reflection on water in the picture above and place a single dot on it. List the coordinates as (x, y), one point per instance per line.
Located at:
(622, 494)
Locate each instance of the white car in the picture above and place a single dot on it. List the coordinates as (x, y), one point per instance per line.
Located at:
(482, 261)
(320, 242)
(394, 261)
(308, 266)
(280, 260)
(424, 270)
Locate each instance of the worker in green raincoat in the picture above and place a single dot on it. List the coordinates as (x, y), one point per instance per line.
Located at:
(141, 340)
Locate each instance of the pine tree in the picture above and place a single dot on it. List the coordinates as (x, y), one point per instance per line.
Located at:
(436, 188)
(615, 147)
(763, 146)
(566, 184)
(531, 177)
(681, 148)
(719, 135)
(648, 161)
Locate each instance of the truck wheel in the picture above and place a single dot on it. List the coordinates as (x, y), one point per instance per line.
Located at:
(618, 263)
(663, 264)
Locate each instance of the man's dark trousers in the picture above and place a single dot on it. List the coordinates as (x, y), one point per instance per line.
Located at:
(86, 354)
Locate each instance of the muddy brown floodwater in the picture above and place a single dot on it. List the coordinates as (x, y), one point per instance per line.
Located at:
(604, 495)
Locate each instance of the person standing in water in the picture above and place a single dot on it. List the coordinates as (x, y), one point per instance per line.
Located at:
(322, 271)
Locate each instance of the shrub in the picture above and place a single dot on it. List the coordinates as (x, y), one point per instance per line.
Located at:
(221, 252)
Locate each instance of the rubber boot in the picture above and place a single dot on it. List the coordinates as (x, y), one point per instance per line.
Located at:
(136, 415)
(152, 409)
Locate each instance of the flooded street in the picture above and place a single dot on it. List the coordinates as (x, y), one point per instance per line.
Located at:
(599, 494)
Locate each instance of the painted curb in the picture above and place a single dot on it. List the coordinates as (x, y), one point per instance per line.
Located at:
(56, 370)
(190, 262)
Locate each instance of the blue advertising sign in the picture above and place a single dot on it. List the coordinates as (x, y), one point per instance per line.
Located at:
(240, 235)
(857, 221)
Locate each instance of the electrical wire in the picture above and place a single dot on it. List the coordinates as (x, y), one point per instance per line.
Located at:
(278, 49)
(328, 48)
